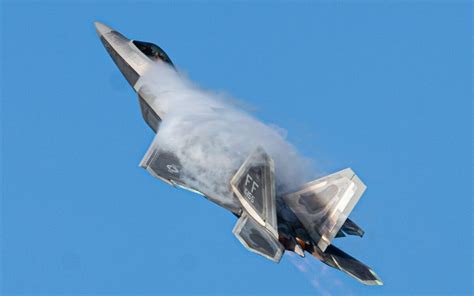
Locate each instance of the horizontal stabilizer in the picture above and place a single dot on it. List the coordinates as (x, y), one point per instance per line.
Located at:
(323, 205)
(257, 238)
(338, 259)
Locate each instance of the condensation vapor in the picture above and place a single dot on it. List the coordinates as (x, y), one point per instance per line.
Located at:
(319, 276)
(212, 137)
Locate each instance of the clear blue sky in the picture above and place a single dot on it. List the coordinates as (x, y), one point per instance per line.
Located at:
(385, 88)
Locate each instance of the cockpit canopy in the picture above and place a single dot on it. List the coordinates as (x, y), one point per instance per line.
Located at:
(152, 51)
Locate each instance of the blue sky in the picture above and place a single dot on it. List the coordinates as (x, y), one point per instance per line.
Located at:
(385, 88)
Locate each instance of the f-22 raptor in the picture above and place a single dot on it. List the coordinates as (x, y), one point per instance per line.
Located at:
(269, 222)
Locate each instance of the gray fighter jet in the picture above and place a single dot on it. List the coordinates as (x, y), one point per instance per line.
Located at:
(270, 222)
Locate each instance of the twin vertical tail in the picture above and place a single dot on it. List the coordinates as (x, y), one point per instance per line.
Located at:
(321, 206)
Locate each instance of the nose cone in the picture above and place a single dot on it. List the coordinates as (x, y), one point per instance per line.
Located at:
(102, 29)
(128, 58)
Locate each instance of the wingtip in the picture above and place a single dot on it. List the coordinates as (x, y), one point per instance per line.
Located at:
(373, 283)
(376, 281)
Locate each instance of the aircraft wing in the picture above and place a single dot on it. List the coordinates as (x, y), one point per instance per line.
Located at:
(166, 166)
(162, 165)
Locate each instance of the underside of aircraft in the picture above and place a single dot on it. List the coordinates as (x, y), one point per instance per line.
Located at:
(269, 222)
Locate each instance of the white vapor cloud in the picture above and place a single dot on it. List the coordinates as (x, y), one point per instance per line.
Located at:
(212, 137)
(319, 275)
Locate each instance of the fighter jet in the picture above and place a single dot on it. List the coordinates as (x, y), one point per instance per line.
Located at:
(269, 222)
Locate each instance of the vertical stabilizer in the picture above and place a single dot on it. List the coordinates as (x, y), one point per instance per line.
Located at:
(323, 205)
(254, 186)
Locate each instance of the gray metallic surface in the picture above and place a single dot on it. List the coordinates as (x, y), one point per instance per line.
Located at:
(338, 259)
(324, 204)
(287, 239)
(257, 238)
(128, 72)
(254, 195)
(128, 58)
(164, 165)
(350, 228)
(149, 115)
(254, 186)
